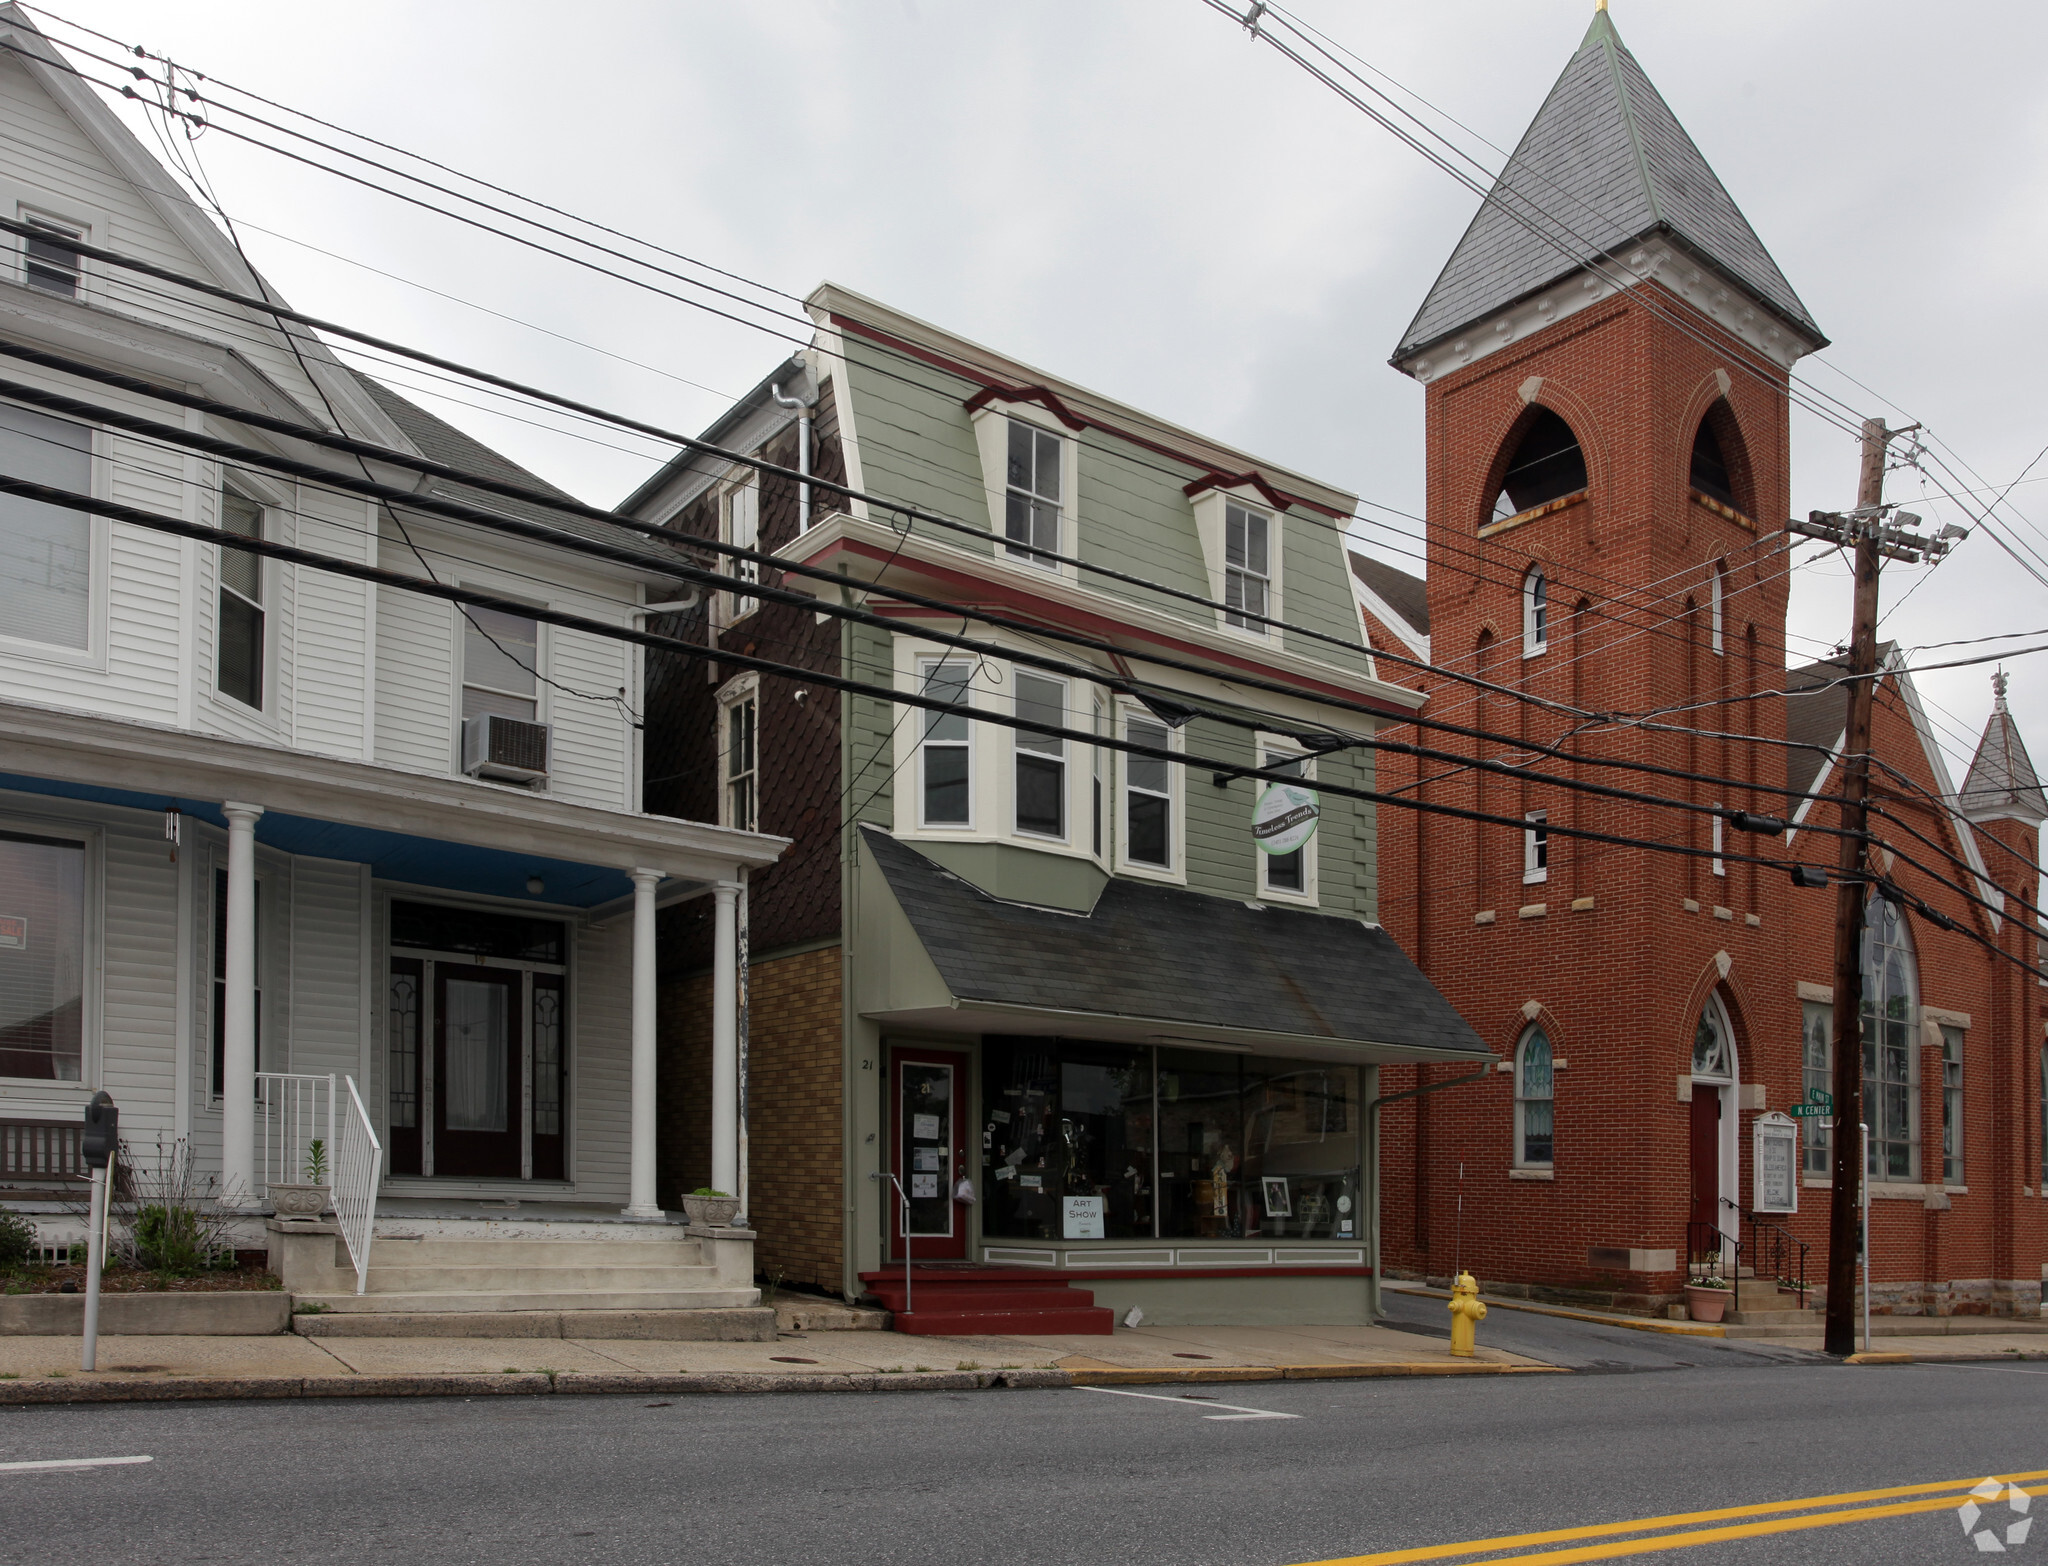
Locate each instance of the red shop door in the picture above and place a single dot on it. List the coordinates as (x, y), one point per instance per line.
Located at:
(928, 1152)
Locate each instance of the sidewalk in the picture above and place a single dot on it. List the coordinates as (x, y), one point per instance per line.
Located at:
(45, 1369)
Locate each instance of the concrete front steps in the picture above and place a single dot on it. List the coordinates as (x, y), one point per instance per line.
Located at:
(958, 1299)
(634, 1281)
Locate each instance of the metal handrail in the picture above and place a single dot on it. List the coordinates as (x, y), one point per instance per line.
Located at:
(290, 1107)
(358, 1164)
(1774, 1252)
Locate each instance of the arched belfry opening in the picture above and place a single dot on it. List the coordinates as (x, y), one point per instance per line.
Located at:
(1544, 463)
(1720, 460)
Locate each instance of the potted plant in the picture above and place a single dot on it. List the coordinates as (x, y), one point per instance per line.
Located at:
(713, 1209)
(310, 1199)
(1706, 1299)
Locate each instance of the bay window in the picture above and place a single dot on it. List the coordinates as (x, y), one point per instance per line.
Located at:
(1041, 759)
(945, 752)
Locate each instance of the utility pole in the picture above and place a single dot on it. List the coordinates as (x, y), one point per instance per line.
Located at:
(1865, 529)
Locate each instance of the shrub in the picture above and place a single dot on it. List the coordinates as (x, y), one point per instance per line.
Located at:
(17, 1242)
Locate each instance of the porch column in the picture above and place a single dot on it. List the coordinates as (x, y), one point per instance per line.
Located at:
(643, 1201)
(725, 1041)
(238, 1013)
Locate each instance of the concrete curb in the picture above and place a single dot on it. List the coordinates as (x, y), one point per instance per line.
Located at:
(1958, 1357)
(576, 1383)
(1683, 1329)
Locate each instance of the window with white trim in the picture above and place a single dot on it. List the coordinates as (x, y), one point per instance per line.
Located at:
(1535, 1102)
(500, 660)
(45, 550)
(1535, 847)
(239, 621)
(739, 524)
(739, 752)
(1097, 782)
(43, 957)
(1720, 825)
(1041, 759)
(1031, 502)
(1715, 594)
(1247, 568)
(1535, 612)
(945, 761)
(1951, 1105)
(1891, 1019)
(1293, 874)
(50, 262)
(1148, 796)
(1817, 1076)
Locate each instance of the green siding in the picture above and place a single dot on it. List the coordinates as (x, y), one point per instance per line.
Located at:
(869, 762)
(917, 442)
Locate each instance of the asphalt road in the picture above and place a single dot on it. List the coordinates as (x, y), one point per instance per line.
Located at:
(1017, 1478)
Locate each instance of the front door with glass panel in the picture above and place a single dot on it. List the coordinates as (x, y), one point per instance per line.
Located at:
(928, 1148)
(478, 1091)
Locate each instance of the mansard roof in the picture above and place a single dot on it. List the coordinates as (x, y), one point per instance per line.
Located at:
(2002, 780)
(1604, 164)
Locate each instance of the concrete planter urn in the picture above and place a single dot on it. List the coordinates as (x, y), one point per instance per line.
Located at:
(300, 1201)
(714, 1212)
(1704, 1304)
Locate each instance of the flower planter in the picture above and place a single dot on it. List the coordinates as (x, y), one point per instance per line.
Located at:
(716, 1212)
(1706, 1304)
(299, 1201)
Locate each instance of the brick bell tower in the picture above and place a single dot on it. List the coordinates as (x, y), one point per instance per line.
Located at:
(1606, 359)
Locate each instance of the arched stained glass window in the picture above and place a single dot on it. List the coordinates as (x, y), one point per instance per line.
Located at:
(1535, 1094)
(1891, 1012)
(1711, 1058)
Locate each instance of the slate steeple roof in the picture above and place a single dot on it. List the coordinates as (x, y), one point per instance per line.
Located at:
(1604, 163)
(2002, 779)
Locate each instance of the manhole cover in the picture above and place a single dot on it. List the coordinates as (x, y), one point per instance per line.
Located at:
(791, 1359)
(1194, 1356)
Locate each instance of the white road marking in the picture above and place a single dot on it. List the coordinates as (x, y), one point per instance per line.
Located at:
(1237, 1411)
(2009, 1370)
(74, 1462)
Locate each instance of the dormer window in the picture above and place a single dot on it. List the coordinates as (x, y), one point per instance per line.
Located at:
(1247, 568)
(1547, 464)
(50, 259)
(1031, 513)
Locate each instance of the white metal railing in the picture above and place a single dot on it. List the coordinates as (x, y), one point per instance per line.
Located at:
(358, 1161)
(293, 1110)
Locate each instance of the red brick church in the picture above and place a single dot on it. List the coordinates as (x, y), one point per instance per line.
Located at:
(1606, 360)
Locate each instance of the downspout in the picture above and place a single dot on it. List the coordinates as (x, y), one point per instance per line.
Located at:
(803, 446)
(1372, 1154)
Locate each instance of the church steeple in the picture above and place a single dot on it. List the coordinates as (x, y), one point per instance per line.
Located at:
(2002, 781)
(1604, 169)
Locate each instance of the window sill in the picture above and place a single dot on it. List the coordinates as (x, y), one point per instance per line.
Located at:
(1153, 873)
(1532, 1174)
(1535, 877)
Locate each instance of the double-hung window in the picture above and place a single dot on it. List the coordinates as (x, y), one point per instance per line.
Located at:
(740, 523)
(500, 657)
(50, 263)
(1041, 782)
(1536, 847)
(1951, 1105)
(1535, 1102)
(1148, 796)
(945, 756)
(238, 637)
(1031, 503)
(45, 550)
(1286, 873)
(1247, 568)
(1717, 831)
(739, 747)
(43, 958)
(1535, 612)
(1098, 767)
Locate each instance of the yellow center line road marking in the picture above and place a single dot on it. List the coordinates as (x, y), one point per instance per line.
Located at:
(1948, 1492)
(72, 1462)
(1235, 1411)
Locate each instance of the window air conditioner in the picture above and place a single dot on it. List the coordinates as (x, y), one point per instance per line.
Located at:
(508, 749)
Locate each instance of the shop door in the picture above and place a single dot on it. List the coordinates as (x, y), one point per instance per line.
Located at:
(477, 1078)
(928, 1149)
(1706, 1158)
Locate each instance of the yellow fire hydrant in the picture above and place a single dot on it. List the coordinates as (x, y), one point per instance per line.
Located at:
(1466, 1314)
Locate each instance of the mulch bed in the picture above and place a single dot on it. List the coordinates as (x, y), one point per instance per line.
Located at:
(135, 1280)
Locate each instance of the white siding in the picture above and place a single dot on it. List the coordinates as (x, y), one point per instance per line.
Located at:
(331, 666)
(326, 967)
(416, 649)
(591, 743)
(139, 998)
(600, 1001)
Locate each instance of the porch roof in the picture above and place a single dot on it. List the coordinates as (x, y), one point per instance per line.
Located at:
(445, 832)
(1158, 964)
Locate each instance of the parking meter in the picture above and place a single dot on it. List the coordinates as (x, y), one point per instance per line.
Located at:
(102, 1131)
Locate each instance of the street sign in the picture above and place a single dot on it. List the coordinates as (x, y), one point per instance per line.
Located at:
(1811, 1111)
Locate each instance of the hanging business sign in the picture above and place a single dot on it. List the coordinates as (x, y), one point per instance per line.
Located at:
(1776, 1166)
(1285, 817)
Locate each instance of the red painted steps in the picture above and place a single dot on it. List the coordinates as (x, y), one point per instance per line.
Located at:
(955, 1299)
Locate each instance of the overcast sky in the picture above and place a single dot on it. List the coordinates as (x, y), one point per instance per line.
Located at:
(1134, 195)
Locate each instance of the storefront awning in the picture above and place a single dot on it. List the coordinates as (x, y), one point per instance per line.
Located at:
(1147, 963)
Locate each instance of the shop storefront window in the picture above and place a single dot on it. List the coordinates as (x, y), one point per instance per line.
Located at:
(1245, 1147)
(42, 958)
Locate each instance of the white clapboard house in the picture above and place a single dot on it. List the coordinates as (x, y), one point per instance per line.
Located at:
(287, 854)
